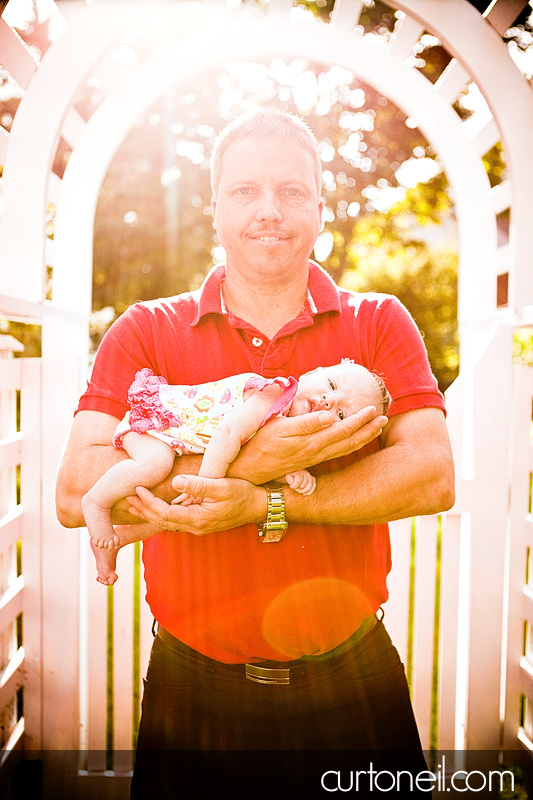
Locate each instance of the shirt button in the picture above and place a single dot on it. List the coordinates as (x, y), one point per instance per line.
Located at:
(257, 342)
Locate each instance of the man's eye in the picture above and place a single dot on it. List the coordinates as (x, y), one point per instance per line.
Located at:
(244, 190)
(341, 414)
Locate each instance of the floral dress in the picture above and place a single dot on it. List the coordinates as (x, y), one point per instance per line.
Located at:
(185, 417)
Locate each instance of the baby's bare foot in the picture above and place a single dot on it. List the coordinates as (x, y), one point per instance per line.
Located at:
(108, 580)
(106, 561)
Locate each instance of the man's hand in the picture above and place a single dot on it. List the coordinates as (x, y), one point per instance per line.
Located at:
(225, 503)
(287, 444)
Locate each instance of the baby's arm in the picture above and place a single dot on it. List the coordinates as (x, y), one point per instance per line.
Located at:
(234, 429)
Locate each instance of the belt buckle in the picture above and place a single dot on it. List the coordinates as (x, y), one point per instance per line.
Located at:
(266, 675)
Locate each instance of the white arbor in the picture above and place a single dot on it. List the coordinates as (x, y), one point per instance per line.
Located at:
(483, 603)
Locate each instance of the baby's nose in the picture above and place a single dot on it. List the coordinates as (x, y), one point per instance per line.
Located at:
(326, 402)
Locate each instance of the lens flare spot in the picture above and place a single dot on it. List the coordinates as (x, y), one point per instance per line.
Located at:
(314, 616)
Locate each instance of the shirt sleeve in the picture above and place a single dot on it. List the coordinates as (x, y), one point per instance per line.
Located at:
(400, 358)
(124, 350)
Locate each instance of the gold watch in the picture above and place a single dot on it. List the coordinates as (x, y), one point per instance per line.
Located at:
(273, 529)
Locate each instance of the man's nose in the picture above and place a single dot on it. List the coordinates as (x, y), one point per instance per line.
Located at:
(268, 207)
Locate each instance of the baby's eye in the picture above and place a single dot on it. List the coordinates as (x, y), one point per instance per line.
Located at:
(331, 384)
(341, 414)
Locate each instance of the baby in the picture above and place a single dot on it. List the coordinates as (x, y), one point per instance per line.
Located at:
(215, 419)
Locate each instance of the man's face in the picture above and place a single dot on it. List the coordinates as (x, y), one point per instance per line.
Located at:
(267, 207)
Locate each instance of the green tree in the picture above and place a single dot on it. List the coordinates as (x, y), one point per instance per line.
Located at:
(386, 255)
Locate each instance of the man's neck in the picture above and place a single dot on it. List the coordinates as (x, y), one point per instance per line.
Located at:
(267, 307)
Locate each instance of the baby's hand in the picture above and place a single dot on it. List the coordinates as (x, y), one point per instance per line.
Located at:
(185, 499)
(301, 481)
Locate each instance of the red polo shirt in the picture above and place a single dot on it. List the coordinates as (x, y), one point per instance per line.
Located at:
(228, 595)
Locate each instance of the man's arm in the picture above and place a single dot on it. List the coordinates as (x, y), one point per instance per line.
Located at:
(412, 474)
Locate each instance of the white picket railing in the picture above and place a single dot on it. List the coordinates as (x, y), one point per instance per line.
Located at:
(20, 625)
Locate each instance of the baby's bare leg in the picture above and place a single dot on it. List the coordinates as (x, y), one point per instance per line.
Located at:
(150, 462)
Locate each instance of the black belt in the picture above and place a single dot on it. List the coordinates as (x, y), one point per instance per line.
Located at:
(279, 672)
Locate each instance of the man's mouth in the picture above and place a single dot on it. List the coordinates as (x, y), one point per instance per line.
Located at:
(268, 237)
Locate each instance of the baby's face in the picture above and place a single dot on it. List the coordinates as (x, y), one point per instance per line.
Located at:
(343, 389)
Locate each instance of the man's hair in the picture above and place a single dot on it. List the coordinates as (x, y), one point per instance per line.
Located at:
(265, 122)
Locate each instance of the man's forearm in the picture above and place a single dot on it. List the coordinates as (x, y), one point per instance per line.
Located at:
(393, 483)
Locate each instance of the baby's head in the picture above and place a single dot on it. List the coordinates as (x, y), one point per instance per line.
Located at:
(343, 388)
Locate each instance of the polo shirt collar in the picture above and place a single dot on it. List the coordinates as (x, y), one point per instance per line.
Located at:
(322, 295)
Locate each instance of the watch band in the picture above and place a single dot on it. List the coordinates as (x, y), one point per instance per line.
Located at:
(273, 529)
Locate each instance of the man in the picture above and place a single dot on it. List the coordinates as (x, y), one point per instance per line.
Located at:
(270, 642)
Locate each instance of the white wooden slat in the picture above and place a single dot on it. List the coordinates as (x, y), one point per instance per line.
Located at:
(452, 81)
(486, 617)
(97, 665)
(30, 479)
(73, 126)
(10, 451)
(424, 623)
(504, 259)
(11, 603)
(397, 607)
(10, 374)
(4, 142)
(520, 530)
(123, 662)
(146, 636)
(406, 33)
(11, 527)
(18, 308)
(60, 573)
(53, 189)
(11, 678)
(13, 743)
(346, 14)
(503, 13)
(15, 56)
(501, 196)
(486, 137)
(449, 615)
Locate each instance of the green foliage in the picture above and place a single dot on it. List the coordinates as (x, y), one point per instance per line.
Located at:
(494, 162)
(386, 257)
(27, 334)
(523, 347)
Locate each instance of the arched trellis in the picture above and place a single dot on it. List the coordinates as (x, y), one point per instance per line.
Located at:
(208, 33)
